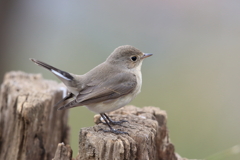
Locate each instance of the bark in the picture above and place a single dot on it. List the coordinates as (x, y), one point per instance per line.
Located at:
(30, 125)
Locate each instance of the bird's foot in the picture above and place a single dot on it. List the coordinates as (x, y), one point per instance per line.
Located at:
(115, 122)
(118, 122)
(116, 131)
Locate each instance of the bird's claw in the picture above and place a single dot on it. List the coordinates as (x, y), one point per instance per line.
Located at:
(116, 122)
(116, 131)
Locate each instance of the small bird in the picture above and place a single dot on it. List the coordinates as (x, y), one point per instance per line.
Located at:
(107, 87)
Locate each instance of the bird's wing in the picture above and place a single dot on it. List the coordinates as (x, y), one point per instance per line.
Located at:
(114, 87)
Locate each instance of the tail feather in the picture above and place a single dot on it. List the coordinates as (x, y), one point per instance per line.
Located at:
(54, 70)
(44, 65)
(70, 95)
(71, 104)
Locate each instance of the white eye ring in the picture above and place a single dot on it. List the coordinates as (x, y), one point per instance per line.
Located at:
(134, 58)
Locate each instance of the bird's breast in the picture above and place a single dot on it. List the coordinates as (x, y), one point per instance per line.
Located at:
(137, 90)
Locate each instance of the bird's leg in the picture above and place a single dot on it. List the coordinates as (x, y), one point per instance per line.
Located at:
(116, 131)
(114, 122)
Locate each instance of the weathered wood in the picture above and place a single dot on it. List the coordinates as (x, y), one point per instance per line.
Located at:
(148, 137)
(30, 126)
(63, 152)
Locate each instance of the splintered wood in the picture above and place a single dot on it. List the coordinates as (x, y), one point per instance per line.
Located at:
(30, 126)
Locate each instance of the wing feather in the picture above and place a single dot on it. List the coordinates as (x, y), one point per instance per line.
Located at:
(119, 85)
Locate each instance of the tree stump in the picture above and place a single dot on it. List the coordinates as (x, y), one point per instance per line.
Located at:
(148, 137)
(30, 126)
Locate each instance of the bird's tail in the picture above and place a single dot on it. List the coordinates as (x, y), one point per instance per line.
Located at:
(59, 73)
(71, 104)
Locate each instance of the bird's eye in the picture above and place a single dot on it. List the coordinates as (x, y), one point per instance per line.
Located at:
(134, 58)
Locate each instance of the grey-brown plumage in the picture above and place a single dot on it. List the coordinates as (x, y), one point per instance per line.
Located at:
(108, 86)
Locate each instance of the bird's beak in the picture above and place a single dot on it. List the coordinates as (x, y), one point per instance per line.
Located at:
(145, 55)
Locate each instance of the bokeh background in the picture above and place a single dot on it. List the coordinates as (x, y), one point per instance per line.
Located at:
(194, 74)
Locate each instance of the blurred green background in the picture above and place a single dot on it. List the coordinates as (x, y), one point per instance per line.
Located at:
(194, 74)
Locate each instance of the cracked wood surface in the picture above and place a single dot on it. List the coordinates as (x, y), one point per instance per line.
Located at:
(148, 137)
(30, 127)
